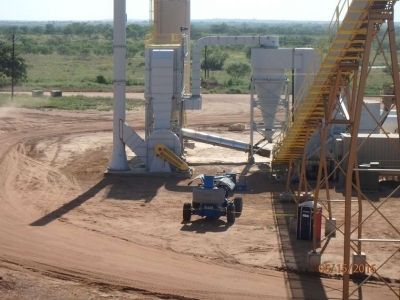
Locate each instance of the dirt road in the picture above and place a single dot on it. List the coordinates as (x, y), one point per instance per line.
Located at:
(61, 220)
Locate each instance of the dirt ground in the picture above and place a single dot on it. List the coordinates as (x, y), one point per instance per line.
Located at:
(69, 232)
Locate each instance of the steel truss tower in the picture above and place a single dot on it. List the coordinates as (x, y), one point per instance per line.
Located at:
(339, 84)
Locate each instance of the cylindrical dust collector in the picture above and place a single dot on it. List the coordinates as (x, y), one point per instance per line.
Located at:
(269, 81)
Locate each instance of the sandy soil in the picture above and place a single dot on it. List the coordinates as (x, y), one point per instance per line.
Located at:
(68, 232)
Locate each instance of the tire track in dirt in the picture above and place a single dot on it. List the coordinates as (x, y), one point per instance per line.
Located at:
(59, 248)
(14, 161)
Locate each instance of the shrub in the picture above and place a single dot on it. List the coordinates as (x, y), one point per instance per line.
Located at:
(238, 70)
(101, 79)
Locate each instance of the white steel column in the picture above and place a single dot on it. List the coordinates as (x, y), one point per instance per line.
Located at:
(251, 153)
(118, 159)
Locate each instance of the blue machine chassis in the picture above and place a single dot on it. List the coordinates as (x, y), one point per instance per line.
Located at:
(211, 210)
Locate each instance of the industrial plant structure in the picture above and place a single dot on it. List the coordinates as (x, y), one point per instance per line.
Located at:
(329, 119)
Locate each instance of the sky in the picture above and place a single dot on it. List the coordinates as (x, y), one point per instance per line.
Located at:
(88, 10)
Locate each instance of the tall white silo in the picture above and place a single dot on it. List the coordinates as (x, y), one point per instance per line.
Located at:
(169, 16)
(269, 78)
(171, 19)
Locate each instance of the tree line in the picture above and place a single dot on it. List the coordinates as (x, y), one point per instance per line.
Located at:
(82, 38)
(83, 29)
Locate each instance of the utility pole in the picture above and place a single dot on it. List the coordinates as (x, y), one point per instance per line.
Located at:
(13, 67)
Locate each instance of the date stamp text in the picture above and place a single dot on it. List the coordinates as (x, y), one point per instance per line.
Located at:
(330, 268)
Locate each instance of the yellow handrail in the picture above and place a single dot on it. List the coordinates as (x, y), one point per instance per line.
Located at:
(308, 106)
(163, 40)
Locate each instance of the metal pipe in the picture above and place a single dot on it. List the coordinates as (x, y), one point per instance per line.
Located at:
(322, 200)
(181, 116)
(223, 142)
(395, 171)
(251, 155)
(215, 140)
(376, 240)
(118, 159)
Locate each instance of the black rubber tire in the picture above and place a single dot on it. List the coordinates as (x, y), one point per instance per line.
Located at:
(238, 201)
(187, 211)
(230, 213)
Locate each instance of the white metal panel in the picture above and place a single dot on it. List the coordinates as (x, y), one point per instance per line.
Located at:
(271, 58)
(196, 90)
(166, 137)
(377, 148)
(303, 59)
(367, 122)
(269, 41)
(148, 52)
(162, 99)
(162, 53)
(391, 125)
(231, 40)
(163, 80)
(193, 104)
(159, 72)
(162, 63)
(162, 115)
(162, 106)
(162, 89)
(134, 142)
(240, 40)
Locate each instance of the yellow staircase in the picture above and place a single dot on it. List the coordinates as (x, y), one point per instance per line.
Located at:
(344, 53)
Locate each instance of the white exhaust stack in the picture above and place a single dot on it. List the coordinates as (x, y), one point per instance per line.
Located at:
(118, 159)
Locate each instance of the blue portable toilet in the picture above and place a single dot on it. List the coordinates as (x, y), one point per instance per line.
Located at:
(305, 222)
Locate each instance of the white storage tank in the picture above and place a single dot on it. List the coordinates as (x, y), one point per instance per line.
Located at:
(367, 122)
(170, 16)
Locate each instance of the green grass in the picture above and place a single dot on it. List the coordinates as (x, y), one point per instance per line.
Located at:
(65, 103)
(78, 73)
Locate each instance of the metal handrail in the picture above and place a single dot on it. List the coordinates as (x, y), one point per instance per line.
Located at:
(315, 67)
(335, 21)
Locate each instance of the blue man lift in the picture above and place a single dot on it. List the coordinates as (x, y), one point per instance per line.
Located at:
(210, 199)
